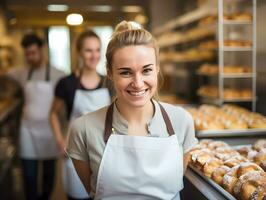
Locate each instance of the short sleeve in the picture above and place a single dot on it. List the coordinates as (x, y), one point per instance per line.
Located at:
(60, 89)
(76, 142)
(189, 140)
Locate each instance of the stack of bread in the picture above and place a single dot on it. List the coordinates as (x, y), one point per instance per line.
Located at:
(209, 117)
(237, 172)
(210, 69)
(186, 56)
(241, 16)
(212, 44)
(237, 43)
(171, 38)
(228, 93)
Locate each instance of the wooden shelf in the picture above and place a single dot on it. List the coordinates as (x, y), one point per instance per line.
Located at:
(185, 19)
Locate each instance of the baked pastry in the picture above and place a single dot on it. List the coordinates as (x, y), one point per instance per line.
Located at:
(194, 154)
(226, 156)
(230, 178)
(205, 142)
(244, 151)
(211, 165)
(251, 155)
(224, 149)
(259, 123)
(248, 185)
(199, 159)
(260, 193)
(219, 173)
(214, 145)
(242, 16)
(235, 160)
(260, 157)
(260, 144)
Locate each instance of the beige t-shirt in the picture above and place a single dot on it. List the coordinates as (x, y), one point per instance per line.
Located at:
(86, 142)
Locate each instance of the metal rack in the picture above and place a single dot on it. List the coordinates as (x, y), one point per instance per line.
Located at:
(222, 49)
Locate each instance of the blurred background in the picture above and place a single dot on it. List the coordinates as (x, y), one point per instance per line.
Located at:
(212, 52)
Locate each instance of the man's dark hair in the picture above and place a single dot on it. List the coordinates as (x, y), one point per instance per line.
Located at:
(31, 39)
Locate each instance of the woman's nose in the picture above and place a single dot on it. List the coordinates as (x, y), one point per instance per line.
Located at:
(137, 82)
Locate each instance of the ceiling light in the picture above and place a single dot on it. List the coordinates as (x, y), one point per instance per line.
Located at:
(102, 8)
(57, 7)
(131, 9)
(74, 19)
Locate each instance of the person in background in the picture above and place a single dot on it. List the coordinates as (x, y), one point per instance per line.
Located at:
(81, 92)
(136, 148)
(36, 140)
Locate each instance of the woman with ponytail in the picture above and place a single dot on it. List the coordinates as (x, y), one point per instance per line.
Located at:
(136, 148)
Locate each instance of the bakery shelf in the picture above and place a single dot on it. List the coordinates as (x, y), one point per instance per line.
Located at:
(210, 182)
(7, 111)
(227, 48)
(176, 38)
(238, 75)
(231, 133)
(232, 75)
(237, 22)
(216, 101)
(185, 19)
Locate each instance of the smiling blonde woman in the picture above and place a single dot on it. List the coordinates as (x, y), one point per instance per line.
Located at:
(136, 147)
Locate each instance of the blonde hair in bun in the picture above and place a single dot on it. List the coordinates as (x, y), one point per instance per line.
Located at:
(128, 33)
(126, 25)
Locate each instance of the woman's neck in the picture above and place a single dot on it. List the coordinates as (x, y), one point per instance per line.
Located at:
(136, 115)
(86, 72)
(89, 78)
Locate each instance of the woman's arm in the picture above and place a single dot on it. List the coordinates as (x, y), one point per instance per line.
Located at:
(57, 106)
(185, 161)
(84, 173)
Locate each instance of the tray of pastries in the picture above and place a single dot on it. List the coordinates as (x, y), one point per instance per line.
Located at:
(211, 91)
(236, 17)
(238, 173)
(211, 69)
(227, 120)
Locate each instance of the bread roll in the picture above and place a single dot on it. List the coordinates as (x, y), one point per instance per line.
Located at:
(248, 184)
(260, 144)
(211, 165)
(230, 178)
(219, 173)
(235, 160)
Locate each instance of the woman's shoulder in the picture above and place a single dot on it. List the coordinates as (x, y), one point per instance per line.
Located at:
(68, 81)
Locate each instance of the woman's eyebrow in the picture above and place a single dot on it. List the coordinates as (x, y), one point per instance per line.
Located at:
(128, 68)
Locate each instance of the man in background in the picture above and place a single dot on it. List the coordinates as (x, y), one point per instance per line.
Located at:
(36, 142)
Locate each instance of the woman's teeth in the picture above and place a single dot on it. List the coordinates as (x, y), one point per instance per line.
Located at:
(140, 93)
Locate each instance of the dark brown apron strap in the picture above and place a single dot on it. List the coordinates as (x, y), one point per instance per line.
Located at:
(109, 122)
(167, 121)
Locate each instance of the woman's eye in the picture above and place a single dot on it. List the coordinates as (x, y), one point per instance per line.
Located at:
(147, 71)
(125, 73)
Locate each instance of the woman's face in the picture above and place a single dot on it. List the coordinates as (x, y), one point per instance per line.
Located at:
(90, 52)
(134, 73)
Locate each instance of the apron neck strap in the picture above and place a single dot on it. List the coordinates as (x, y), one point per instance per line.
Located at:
(47, 73)
(109, 122)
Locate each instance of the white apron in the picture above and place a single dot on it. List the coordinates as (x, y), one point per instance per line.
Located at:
(36, 137)
(84, 102)
(140, 168)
